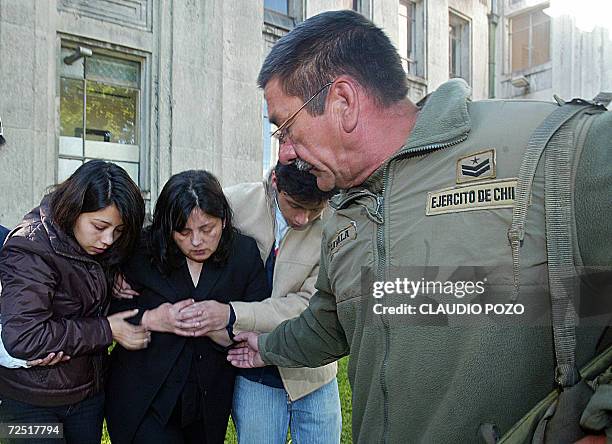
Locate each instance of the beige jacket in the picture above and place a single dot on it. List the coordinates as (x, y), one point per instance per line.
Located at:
(295, 274)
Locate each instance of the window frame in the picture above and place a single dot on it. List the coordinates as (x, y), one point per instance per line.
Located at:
(530, 67)
(283, 22)
(418, 40)
(144, 109)
(275, 25)
(468, 39)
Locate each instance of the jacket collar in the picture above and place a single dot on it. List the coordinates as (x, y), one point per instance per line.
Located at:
(443, 118)
(181, 286)
(270, 204)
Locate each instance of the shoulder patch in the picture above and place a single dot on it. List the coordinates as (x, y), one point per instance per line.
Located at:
(476, 166)
(341, 237)
(478, 196)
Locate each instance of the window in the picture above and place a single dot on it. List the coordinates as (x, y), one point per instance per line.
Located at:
(280, 6)
(99, 113)
(279, 16)
(459, 58)
(529, 40)
(411, 33)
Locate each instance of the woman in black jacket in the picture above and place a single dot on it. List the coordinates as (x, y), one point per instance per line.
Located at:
(180, 388)
(56, 270)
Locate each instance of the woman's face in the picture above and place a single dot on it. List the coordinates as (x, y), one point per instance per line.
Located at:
(200, 238)
(97, 231)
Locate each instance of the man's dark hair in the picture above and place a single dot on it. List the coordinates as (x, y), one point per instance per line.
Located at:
(94, 186)
(328, 45)
(181, 194)
(300, 185)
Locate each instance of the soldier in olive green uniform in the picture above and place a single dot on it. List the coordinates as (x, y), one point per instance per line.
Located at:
(429, 185)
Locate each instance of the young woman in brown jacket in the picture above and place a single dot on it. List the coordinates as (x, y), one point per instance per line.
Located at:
(56, 271)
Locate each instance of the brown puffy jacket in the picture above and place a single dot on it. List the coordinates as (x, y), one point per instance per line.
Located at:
(54, 298)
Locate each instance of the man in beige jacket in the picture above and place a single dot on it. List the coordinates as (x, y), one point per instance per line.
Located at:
(283, 214)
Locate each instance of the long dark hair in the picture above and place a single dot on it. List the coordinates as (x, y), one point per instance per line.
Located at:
(94, 186)
(181, 194)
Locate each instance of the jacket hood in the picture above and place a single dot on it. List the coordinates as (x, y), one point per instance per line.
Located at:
(61, 242)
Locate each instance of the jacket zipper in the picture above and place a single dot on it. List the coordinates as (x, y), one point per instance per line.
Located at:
(382, 258)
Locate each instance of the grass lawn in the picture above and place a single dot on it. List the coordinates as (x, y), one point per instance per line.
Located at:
(345, 400)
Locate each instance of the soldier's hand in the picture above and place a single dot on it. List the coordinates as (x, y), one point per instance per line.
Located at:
(245, 354)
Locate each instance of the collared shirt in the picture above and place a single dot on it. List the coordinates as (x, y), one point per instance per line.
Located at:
(281, 225)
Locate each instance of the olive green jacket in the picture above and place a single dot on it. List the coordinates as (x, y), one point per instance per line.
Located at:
(438, 382)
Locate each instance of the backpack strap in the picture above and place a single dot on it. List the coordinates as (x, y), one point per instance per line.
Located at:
(559, 142)
(535, 147)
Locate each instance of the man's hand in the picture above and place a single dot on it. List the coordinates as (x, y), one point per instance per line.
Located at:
(246, 353)
(51, 359)
(209, 315)
(121, 288)
(171, 318)
(130, 337)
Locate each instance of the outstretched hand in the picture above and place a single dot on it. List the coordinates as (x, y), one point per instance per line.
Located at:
(246, 353)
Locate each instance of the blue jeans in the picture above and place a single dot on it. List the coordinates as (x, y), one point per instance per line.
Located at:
(82, 421)
(263, 414)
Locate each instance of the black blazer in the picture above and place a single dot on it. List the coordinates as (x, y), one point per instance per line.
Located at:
(137, 377)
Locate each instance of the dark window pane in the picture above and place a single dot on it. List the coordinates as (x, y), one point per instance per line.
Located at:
(277, 5)
(71, 106)
(116, 71)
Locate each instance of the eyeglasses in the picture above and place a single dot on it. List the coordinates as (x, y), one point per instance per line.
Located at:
(281, 132)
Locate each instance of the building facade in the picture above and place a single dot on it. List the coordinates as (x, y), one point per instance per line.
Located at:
(161, 86)
(545, 48)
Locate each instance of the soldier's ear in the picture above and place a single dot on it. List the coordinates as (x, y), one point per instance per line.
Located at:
(345, 101)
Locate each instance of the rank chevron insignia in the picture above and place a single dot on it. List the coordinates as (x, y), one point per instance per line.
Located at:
(476, 166)
(476, 170)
